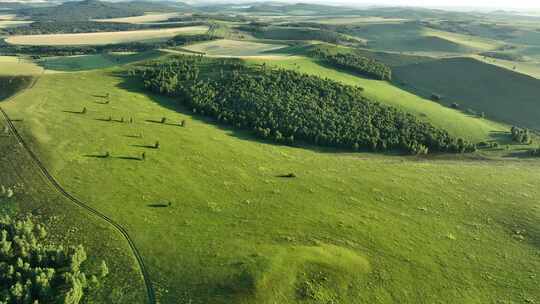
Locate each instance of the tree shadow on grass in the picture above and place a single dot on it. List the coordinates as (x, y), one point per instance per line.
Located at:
(96, 156)
(153, 147)
(158, 205)
(73, 112)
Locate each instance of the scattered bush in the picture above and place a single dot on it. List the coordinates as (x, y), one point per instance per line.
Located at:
(436, 97)
(520, 135)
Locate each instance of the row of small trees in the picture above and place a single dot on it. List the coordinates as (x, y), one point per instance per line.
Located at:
(357, 64)
(287, 106)
(32, 271)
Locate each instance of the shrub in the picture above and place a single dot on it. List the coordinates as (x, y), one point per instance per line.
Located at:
(32, 271)
(520, 135)
(535, 152)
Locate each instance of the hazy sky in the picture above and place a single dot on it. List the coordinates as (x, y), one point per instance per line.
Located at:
(452, 3)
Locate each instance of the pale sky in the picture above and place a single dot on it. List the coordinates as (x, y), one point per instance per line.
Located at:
(521, 4)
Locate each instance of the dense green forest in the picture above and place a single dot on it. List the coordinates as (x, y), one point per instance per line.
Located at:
(10, 85)
(286, 106)
(357, 64)
(45, 50)
(33, 271)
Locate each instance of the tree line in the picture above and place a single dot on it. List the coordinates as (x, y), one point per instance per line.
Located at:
(287, 106)
(32, 271)
(46, 50)
(70, 27)
(357, 64)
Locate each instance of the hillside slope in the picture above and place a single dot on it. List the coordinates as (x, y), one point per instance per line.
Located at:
(351, 228)
(500, 93)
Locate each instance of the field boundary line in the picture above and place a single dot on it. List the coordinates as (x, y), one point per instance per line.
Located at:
(146, 277)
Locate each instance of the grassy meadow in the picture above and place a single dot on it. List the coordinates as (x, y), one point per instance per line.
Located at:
(351, 228)
(67, 224)
(13, 66)
(92, 62)
(104, 37)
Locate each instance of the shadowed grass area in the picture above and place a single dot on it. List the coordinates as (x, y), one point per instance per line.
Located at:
(350, 228)
(502, 94)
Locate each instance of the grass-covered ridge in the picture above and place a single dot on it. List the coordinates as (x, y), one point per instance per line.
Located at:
(287, 106)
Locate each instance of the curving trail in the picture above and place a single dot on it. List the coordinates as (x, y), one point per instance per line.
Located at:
(146, 277)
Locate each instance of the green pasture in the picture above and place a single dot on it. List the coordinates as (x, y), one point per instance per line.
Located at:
(12, 66)
(67, 224)
(91, 62)
(216, 224)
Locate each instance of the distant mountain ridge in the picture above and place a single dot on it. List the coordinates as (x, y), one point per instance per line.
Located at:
(95, 9)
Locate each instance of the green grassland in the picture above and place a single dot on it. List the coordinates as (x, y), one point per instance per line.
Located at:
(91, 62)
(18, 66)
(351, 228)
(502, 94)
(68, 224)
(413, 37)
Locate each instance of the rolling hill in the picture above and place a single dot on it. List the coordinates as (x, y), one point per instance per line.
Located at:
(236, 232)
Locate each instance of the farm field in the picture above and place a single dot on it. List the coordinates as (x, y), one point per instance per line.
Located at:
(12, 23)
(355, 20)
(104, 37)
(502, 94)
(234, 229)
(147, 18)
(235, 48)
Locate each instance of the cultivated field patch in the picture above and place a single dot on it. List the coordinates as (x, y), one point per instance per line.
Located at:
(104, 37)
(148, 18)
(235, 48)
